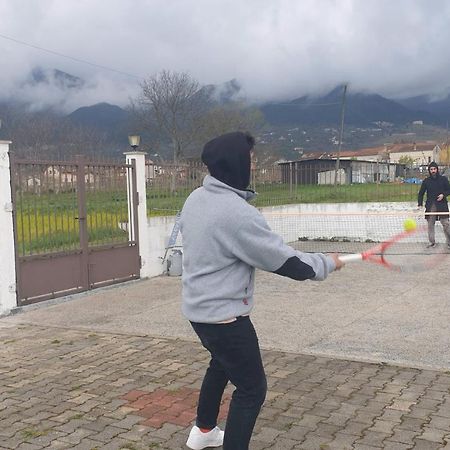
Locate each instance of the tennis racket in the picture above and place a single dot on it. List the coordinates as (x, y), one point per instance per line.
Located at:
(405, 252)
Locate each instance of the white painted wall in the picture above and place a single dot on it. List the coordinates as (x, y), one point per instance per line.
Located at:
(341, 221)
(144, 244)
(159, 231)
(354, 221)
(419, 157)
(7, 258)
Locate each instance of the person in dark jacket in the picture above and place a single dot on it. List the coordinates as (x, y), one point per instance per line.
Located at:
(437, 188)
(224, 240)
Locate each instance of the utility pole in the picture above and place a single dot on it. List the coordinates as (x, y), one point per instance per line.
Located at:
(447, 149)
(341, 132)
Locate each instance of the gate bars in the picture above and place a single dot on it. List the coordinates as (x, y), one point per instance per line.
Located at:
(67, 211)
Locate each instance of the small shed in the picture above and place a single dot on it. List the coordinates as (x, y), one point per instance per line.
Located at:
(322, 171)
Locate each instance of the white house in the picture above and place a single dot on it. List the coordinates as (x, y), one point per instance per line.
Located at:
(421, 153)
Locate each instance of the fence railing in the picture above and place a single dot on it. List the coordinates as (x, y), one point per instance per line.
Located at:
(168, 185)
(47, 202)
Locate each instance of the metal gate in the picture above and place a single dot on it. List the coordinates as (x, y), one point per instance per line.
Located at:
(71, 226)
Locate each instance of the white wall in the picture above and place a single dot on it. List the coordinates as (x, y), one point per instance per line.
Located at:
(327, 177)
(7, 260)
(353, 221)
(159, 231)
(419, 157)
(341, 221)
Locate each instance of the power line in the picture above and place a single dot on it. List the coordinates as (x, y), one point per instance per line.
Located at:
(305, 105)
(36, 47)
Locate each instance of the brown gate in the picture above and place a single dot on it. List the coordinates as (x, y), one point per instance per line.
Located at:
(71, 226)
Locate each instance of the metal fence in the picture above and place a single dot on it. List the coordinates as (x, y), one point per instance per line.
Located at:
(72, 226)
(168, 185)
(47, 204)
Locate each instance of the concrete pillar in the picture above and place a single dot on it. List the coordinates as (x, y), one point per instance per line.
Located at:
(144, 246)
(8, 299)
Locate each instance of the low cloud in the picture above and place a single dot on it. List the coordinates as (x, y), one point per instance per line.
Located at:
(276, 49)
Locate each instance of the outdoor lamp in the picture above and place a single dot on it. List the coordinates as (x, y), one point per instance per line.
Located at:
(134, 141)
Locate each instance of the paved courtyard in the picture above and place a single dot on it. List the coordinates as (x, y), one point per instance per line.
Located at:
(119, 368)
(73, 389)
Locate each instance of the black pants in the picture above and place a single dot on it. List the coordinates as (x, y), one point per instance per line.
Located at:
(235, 357)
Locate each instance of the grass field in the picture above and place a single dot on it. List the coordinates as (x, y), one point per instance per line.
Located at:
(162, 203)
(47, 222)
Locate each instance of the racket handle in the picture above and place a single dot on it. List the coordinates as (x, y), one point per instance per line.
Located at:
(351, 258)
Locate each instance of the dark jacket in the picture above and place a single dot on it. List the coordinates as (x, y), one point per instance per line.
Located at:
(434, 186)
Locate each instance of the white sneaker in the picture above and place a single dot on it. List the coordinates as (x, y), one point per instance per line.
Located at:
(198, 440)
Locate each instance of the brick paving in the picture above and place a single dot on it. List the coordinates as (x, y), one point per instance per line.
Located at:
(72, 389)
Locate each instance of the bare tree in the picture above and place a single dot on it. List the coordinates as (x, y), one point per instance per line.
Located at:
(176, 102)
(227, 118)
(75, 140)
(141, 121)
(46, 135)
(32, 133)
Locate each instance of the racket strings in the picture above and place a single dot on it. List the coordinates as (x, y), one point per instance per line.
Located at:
(414, 253)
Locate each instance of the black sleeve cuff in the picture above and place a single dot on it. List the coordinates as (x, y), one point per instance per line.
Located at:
(296, 269)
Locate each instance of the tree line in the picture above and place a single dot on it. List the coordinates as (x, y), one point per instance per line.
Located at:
(173, 113)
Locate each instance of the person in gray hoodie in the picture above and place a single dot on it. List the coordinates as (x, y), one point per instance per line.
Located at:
(224, 240)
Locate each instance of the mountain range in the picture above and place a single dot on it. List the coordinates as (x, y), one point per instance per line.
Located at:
(101, 116)
(360, 110)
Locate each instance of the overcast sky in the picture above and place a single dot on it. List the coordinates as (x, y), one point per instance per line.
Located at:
(276, 49)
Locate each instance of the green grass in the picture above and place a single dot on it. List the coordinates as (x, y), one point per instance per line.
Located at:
(48, 222)
(357, 193)
(162, 203)
(33, 433)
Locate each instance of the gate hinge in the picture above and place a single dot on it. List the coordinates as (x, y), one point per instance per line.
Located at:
(9, 207)
(140, 262)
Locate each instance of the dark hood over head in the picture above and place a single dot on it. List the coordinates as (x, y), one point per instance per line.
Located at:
(228, 158)
(432, 164)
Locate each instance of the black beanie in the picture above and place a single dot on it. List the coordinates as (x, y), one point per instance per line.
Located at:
(228, 158)
(432, 164)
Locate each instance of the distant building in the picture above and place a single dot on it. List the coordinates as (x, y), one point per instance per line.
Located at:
(421, 153)
(322, 171)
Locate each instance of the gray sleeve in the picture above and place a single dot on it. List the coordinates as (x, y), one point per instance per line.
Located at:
(257, 245)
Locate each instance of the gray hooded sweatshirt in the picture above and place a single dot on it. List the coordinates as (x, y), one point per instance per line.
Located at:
(224, 240)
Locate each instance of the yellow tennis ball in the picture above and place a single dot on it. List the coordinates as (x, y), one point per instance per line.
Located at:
(409, 225)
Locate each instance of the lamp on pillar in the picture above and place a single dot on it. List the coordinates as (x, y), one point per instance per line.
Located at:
(134, 141)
